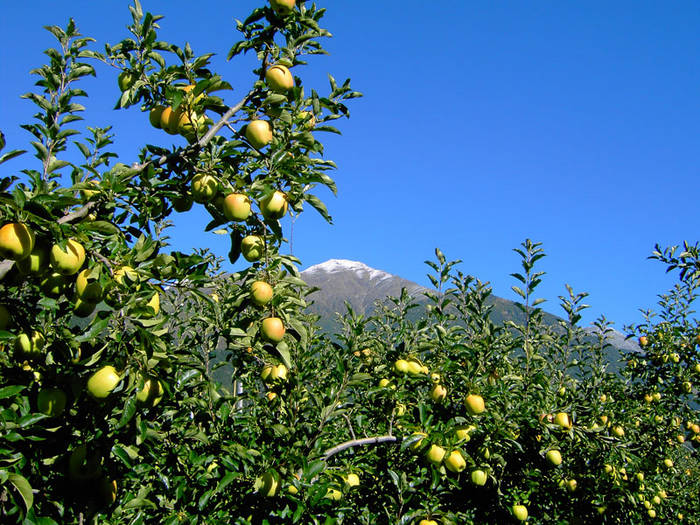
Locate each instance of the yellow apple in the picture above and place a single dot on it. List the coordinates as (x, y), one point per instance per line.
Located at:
(259, 133)
(427, 522)
(479, 477)
(261, 293)
(435, 454)
(68, 260)
(269, 484)
(102, 382)
(236, 207)
(153, 306)
(166, 116)
(83, 308)
(279, 78)
(455, 462)
(51, 401)
(668, 463)
(151, 393)
(308, 120)
(126, 272)
(401, 366)
(334, 495)
(271, 396)
(16, 241)
(414, 368)
(438, 393)
(384, 383)
(274, 206)
(463, 432)
(204, 187)
(252, 248)
(279, 373)
(273, 329)
(89, 290)
(618, 431)
(283, 7)
(571, 485)
(519, 512)
(475, 404)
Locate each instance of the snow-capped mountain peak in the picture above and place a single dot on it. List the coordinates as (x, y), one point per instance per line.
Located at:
(343, 265)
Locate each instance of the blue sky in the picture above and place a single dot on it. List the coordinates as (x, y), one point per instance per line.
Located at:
(483, 123)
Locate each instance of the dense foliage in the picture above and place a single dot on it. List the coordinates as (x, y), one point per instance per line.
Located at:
(143, 385)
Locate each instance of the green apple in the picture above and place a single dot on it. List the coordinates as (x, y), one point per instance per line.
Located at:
(279, 373)
(427, 522)
(102, 382)
(36, 263)
(30, 346)
(438, 393)
(68, 260)
(279, 79)
(54, 284)
(554, 457)
(126, 80)
(401, 366)
(261, 293)
(274, 206)
(83, 308)
(571, 485)
(236, 207)
(204, 187)
(352, 480)
(435, 454)
(334, 495)
(16, 241)
(259, 133)
(562, 419)
(183, 203)
(455, 462)
(252, 248)
(268, 484)
(479, 477)
(88, 289)
(283, 7)
(618, 431)
(151, 393)
(51, 401)
(154, 116)
(519, 512)
(475, 404)
(273, 329)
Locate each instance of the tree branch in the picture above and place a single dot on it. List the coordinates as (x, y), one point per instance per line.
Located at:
(5, 267)
(357, 443)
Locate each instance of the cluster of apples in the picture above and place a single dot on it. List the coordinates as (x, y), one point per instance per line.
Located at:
(182, 120)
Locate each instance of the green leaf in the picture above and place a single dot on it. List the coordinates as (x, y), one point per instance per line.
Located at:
(10, 391)
(24, 489)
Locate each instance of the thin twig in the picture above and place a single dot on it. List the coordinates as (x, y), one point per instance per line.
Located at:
(357, 443)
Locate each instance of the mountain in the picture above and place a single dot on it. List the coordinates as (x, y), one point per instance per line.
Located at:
(340, 280)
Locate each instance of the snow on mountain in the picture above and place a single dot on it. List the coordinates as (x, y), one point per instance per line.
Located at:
(360, 269)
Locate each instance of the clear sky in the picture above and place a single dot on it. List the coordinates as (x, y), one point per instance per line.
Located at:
(573, 123)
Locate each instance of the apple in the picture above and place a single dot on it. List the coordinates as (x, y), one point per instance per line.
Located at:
(274, 206)
(279, 79)
(643, 341)
(151, 393)
(269, 484)
(51, 401)
(604, 419)
(204, 187)
(252, 248)
(400, 409)
(475, 404)
(463, 432)
(126, 272)
(427, 522)
(651, 513)
(36, 263)
(53, 284)
(166, 116)
(308, 120)
(562, 419)
(697, 368)
(68, 260)
(83, 466)
(401, 366)
(668, 463)
(102, 382)
(479, 477)
(271, 396)
(438, 393)
(687, 387)
(261, 293)
(618, 431)
(454, 461)
(86, 289)
(414, 368)
(283, 7)
(273, 329)
(16, 241)
(519, 512)
(183, 203)
(154, 116)
(384, 383)
(152, 306)
(435, 454)
(279, 373)
(656, 396)
(236, 207)
(259, 133)
(126, 80)
(107, 490)
(334, 495)
(266, 372)
(29, 346)
(5, 317)
(554, 457)
(571, 485)
(352, 480)
(83, 308)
